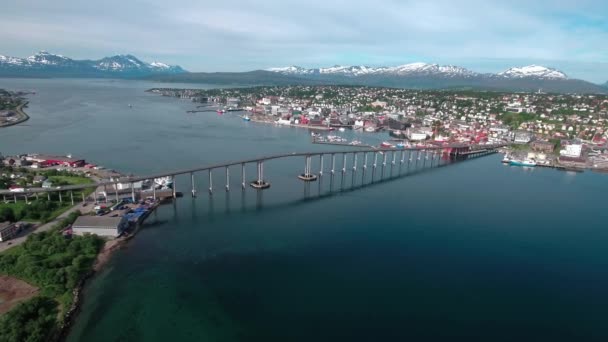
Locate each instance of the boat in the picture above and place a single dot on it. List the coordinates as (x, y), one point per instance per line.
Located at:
(246, 118)
(341, 129)
(164, 182)
(506, 159)
(220, 111)
(400, 145)
(386, 145)
(370, 129)
(525, 162)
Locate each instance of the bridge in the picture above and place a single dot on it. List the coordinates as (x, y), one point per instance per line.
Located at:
(330, 162)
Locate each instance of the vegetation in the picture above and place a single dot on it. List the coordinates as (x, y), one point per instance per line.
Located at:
(37, 210)
(55, 264)
(29, 321)
(515, 119)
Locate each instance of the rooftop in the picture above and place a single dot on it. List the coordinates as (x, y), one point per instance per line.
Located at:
(97, 221)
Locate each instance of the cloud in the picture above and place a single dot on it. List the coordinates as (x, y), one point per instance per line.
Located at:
(245, 35)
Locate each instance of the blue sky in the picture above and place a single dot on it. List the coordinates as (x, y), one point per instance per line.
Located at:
(238, 35)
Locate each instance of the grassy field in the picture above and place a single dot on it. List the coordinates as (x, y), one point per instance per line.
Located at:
(71, 180)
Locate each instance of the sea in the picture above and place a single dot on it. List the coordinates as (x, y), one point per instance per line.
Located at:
(473, 251)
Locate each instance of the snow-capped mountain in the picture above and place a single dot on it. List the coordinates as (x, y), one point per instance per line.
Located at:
(423, 69)
(535, 71)
(412, 69)
(47, 64)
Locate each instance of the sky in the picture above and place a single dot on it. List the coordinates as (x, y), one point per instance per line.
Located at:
(241, 35)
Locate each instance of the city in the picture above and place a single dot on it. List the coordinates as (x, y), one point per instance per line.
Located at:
(560, 130)
(303, 171)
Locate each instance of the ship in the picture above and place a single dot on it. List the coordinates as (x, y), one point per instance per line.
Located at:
(246, 118)
(506, 159)
(525, 162)
(163, 182)
(386, 145)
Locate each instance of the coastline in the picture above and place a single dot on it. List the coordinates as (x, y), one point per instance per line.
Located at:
(23, 117)
(103, 258)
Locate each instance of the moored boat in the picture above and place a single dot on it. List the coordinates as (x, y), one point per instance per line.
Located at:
(525, 162)
(386, 145)
(246, 118)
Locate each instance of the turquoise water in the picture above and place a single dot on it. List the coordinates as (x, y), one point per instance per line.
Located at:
(475, 251)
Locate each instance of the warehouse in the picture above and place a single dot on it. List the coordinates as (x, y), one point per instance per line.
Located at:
(99, 225)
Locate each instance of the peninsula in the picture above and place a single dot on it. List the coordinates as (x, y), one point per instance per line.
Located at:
(11, 108)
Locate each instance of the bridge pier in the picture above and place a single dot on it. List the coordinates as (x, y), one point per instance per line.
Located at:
(210, 182)
(60, 200)
(82, 193)
(333, 163)
(343, 164)
(153, 191)
(174, 187)
(132, 193)
(227, 178)
(260, 184)
(192, 184)
(15, 198)
(308, 176)
(243, 176)
(321, 165)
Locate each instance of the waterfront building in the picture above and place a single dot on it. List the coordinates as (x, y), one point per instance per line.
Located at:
(99, 225)
(542, 146)
(572, 151)
(7, 230)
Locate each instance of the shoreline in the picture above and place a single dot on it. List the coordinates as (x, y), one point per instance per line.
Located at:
(23, 117)
(103, 258)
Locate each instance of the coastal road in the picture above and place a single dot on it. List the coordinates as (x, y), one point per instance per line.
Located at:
(47, 226)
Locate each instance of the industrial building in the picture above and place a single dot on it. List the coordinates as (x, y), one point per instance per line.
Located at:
(100, 225)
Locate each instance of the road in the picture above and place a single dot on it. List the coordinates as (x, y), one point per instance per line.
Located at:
(47, 226)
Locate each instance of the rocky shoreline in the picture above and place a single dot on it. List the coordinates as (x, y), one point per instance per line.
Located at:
(23, 117)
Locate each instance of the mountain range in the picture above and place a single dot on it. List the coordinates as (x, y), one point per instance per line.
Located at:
(413, 75)
(45, 64)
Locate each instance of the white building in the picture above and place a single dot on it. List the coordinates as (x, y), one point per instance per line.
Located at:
(99, 225)
(572, 150)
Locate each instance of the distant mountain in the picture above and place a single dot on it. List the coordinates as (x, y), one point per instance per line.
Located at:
(413, 69)
(45, 64)
(415, 75)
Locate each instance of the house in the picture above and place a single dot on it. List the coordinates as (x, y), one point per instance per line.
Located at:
(542, 146)
(572, 151)
(99, 225)
(522, 137)
(7, 230)
(39, 179)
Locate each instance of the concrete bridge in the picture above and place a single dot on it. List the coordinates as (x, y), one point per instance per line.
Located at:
(330, 162)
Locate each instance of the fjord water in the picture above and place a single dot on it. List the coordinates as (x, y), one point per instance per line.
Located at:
(476, 250)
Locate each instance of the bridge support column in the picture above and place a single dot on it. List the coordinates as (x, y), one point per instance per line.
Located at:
(243, 175)
(60, 199)
(383, 163)
(364, 166)
(192, 184)
(4, 198)
(15, 198)
(210, 182)
(105, 193)
(307, 176)
(154, 191)
(333, 163)
(82, 193)
(174, 187)
(343, 163)
(116, 191)
(321, 165)
(132, 193)
(227, 178)
(36, 195)
(260, 184)
(354, 164)
(393, 162)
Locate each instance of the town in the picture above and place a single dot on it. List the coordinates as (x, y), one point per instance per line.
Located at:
(556, 130)
(11, 108)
